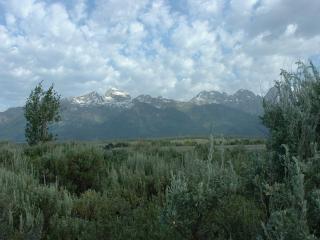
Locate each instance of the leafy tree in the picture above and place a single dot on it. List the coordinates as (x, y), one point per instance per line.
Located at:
(293, 117)
(41, 110)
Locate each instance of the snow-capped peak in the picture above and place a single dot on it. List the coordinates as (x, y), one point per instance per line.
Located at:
(208, 97)
(112, 97)
(114, 94)
(92, 98)
(242, 99)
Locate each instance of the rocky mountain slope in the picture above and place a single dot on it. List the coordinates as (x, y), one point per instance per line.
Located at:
(244, 100)
(116, 114)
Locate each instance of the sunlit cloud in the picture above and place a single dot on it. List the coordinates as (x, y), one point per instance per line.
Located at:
(172, 48)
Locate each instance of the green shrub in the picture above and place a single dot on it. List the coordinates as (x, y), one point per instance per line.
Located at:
(6, 156)
(293, 117)
(76, 167)
(85, 169)
(286, 225)
(192, 202)
(27, 209)
(313, 213)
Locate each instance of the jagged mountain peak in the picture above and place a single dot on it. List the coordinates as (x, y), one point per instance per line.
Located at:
(158, 102)
(88, 99)
(212, 93)
(242, 99)
(112, 97)
(116, 92)
(272, 95)
(115, 95)
(244, 93)
(144, 98)
(115, 114)
(209, 97)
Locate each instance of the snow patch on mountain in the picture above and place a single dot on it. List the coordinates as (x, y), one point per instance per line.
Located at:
(244, 100)
(114, 94)
(112, 97)
(92, 98)
(209, 97)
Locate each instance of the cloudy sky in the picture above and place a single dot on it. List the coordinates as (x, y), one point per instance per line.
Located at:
(173, 48)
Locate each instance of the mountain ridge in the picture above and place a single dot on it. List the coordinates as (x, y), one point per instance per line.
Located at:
(244, 99)
(117, 115)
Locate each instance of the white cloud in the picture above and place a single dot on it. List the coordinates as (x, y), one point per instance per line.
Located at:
(79, 12)
(291, 29)
(243, 7)
(115, 11)
(20, 8)
(267, 5)
(149, 46)
(205, 8)
(158, 16)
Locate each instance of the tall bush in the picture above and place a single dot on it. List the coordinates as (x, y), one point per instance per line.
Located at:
(293, 117)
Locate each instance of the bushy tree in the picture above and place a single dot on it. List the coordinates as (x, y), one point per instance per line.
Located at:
(41, 110)
(293, 114)
(293, 117)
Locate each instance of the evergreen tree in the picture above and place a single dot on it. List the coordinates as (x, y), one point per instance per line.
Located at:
(41, 110)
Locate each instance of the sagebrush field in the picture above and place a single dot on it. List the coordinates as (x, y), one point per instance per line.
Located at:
(157, 189)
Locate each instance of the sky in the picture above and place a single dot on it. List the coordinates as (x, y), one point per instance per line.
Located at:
(169, 48)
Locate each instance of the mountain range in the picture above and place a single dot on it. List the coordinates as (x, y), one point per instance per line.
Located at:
(116, 115)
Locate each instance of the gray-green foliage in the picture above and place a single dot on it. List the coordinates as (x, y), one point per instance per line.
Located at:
(131, 195)
(293, 114)
(293, 119)
(27, 209)
(314, 211)
(208, 204)
(41, 110)
(288, 218)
